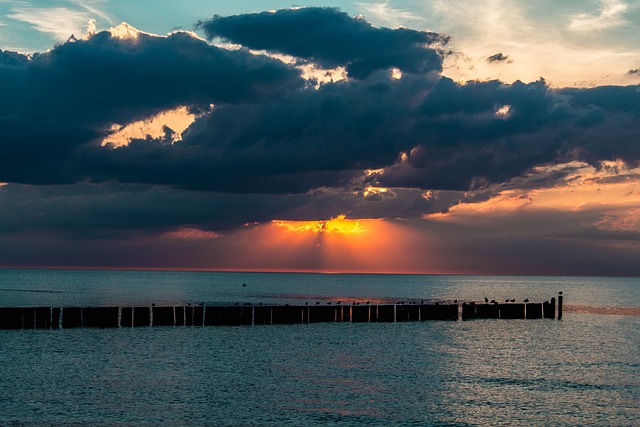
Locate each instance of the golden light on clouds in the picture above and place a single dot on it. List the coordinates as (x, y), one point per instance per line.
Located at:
(612, 191)
(178, 120)
(370, 190)
(337, 225)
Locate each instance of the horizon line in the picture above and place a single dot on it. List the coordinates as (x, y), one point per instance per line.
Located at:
(299, 271)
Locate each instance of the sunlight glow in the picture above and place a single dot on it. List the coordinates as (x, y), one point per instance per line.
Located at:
(178, 120)
(612, 193)
(338, 225)
(191, 233)
(374, 190)
(503, 112)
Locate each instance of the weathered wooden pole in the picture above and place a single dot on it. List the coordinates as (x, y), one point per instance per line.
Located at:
(559, 305)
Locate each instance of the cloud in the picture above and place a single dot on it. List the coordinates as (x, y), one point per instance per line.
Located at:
(498, 57)
(387, 14)
(271, 133)
(634, 72)
(60, 22)
(448, 165)
(611, 15)
(331, 38)
(56, 102)
(539, 38)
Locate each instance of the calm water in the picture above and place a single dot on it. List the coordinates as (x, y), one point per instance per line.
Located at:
(583, 370)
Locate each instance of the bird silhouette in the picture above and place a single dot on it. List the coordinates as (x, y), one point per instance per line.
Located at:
(486, 299)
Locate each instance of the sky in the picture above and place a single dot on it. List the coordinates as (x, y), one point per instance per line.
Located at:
(441, 136)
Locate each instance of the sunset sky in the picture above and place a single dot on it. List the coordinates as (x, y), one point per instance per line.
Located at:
(439, 136)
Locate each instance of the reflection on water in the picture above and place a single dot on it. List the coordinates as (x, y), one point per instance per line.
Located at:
(583, 370)
(486, 372)
(602, 310)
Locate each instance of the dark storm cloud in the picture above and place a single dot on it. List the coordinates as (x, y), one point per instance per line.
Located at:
(269, 133)
(489, 132)
(58, 101)
(498, 57)
(331, 38)
(309, 139)
(86, 211)
(103, 210)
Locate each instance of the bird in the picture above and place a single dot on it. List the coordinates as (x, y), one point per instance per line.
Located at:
(560, 293)
(526, 300)
(153, 305)
(317, 302)
(244, 285)
(329, 303)
(455, 301)
(306, 303)
(367, 302)
(513, 300)
(486, 299)
(236, 303)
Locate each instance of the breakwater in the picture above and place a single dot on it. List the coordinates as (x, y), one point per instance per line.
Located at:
(249, 314)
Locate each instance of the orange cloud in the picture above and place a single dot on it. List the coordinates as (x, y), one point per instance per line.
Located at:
(608, 191)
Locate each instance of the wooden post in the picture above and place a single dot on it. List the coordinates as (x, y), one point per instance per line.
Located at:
(559, 305)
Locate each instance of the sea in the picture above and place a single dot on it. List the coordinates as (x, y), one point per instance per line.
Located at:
(579, 371)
